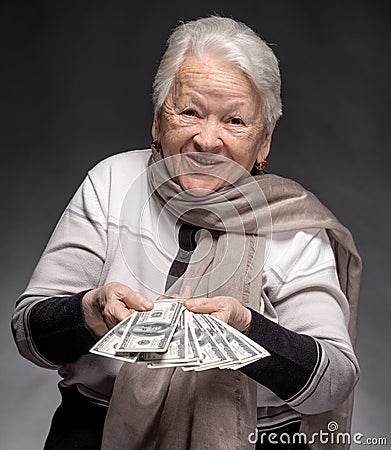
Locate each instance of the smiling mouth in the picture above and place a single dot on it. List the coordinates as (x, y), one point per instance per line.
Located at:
(202, 162)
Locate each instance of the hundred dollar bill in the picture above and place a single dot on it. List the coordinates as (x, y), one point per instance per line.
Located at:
(245, 353)
(181, 351)
(176, 352)
(151, 331)
(211, 354)
(246, 349)
(108, 344)
(193, 350)
(261, 350)
(219, 338)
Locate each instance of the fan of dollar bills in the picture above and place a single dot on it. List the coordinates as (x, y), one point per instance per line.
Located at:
(170, 336)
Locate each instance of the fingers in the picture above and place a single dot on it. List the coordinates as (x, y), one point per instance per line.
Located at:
(131, 299)
(219, 307)
(227, 309)
(104, 307)
(202, 305)
(120, 301)
(114, 313)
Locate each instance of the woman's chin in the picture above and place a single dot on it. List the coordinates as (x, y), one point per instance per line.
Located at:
(200, 185)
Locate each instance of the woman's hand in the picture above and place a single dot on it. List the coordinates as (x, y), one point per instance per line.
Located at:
(227, 309)
(104, 307)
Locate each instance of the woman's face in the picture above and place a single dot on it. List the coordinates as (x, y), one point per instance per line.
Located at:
(212, 111)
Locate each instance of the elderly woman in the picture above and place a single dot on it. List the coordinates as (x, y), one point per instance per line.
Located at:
(131, 234)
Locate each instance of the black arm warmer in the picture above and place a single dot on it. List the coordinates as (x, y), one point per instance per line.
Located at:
(58, 329)
(293, 357)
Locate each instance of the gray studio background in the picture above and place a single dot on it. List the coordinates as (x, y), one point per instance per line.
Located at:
(76, 87)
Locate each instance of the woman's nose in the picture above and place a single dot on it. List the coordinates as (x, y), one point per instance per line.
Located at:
(208, 138)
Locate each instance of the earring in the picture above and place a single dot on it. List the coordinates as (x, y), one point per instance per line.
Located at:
(260, 166)
(156, 146)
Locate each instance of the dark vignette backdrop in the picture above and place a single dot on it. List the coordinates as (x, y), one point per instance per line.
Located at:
(76, 79)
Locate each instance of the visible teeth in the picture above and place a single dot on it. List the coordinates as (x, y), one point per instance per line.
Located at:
(204, 161)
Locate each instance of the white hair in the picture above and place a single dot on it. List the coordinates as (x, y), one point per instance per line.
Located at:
(234, 42)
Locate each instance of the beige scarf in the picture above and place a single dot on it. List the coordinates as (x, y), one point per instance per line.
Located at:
(216, 409)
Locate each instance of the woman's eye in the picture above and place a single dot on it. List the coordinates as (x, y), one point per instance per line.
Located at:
(236, 121)
(189, 113)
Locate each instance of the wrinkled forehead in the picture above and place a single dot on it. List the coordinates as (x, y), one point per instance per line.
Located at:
(211, 76)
